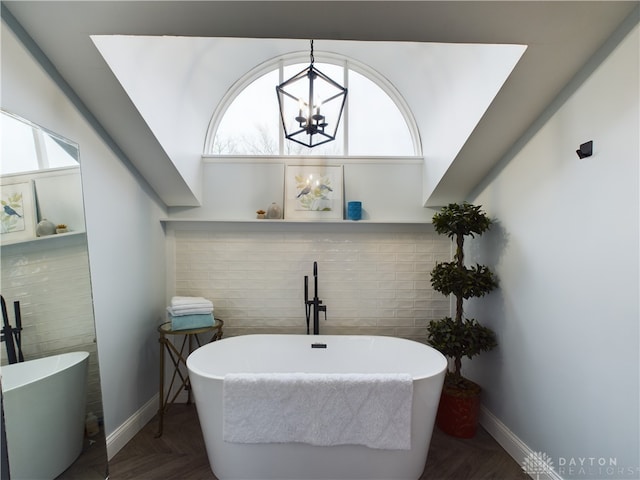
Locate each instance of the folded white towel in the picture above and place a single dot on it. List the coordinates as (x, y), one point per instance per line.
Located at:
(189, 306)
(190, 301)
(177, 312)
(319, 409)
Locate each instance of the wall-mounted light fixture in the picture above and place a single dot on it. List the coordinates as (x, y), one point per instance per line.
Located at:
(311, 105)
(585, 150)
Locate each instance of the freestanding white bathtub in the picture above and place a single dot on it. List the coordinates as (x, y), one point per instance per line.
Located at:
(209, 364)
(44, 407)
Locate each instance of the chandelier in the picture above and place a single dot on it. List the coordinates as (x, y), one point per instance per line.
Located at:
(311, 105)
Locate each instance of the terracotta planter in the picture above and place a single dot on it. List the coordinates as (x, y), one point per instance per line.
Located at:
(459, 411)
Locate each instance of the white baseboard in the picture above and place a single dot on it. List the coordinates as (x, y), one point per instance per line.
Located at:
(125, 432)
(508, 440)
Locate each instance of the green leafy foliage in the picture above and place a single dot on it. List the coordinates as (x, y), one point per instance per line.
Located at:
(461, 219)
(458, 337)
(466, 282)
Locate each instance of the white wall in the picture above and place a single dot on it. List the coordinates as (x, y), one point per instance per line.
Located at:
(390, 190)
(565, 376)
(125, 238)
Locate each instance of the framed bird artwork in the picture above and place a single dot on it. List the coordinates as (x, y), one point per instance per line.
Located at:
(314, 192)
(17, 213)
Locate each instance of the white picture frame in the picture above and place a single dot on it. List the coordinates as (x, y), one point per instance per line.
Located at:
(314, 192)
(17, 212)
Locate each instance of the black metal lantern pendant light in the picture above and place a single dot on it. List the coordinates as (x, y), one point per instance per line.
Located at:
(311, 105)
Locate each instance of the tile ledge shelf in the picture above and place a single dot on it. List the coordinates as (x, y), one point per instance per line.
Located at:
(299, 222)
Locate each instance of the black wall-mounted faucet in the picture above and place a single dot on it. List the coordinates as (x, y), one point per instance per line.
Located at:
(315, 303)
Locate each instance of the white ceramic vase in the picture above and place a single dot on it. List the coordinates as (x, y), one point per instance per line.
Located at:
(45, 227)
(274, 211)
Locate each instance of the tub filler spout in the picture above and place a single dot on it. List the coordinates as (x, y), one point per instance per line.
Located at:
(314, 303)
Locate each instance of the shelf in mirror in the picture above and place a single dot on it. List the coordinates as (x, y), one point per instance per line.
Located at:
(44, 238)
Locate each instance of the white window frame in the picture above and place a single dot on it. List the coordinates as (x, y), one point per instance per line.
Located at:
(319, 57)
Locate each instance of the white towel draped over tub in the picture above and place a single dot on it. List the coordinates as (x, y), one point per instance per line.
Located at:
(319, 409)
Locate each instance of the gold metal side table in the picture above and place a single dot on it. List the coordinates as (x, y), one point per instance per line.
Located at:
(178, 357)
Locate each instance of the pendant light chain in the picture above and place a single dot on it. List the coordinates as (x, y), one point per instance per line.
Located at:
(312, 59)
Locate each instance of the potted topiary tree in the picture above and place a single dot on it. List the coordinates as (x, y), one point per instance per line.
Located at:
(459, 337)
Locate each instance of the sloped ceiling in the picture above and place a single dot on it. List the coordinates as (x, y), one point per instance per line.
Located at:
(176, 82)
(560, 38)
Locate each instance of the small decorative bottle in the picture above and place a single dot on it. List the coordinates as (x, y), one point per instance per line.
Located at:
(274, 211)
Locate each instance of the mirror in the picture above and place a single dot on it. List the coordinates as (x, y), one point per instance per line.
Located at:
(46, 289)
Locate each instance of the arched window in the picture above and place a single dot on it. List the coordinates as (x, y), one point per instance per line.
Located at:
(376, 121)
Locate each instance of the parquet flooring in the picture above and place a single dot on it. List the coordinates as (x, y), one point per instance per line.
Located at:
(180, 454)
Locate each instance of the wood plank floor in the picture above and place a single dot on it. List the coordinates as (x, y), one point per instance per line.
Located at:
(92, 462)
(180, 454)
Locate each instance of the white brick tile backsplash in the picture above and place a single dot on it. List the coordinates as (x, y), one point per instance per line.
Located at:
(371, 282)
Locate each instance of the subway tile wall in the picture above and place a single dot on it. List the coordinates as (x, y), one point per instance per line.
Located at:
(373, 281)
(50, 279)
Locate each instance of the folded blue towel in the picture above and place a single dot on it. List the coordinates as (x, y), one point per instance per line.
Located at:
(186, 322)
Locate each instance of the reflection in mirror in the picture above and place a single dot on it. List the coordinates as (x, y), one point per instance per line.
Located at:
(47, 311)
(28, 147)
